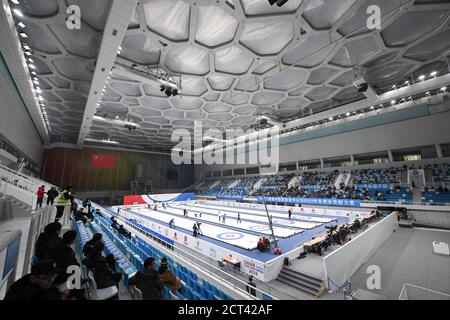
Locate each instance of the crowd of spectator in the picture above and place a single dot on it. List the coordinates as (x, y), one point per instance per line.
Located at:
(54, 255)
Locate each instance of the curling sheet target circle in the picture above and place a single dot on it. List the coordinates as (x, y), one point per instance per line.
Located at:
(230, 235)
(259, 228)
(285, 222)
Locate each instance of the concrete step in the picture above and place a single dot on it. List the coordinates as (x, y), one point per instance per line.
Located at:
(307, 278)
(301, 282)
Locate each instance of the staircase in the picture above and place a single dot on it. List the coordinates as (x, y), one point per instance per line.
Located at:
(258, 184)
(233, 184)
(302, 282)
(342, 178)
(417, 194)
(295, 181)
(215, 184)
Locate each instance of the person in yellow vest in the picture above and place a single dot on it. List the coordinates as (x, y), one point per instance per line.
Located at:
(62, 201)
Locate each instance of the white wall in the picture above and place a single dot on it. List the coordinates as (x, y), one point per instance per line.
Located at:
(15, 123)
(426, 130)
(340, 265)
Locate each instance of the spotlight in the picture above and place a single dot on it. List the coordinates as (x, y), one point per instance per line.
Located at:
(363, 87)
(18, 12)
(168, 92)
(162, 88)
(174, 92)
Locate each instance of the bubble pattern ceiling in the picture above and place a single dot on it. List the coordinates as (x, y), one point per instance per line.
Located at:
(237, 59)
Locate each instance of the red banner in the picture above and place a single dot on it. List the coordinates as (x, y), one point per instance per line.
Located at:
(103, 161)
(130, 200)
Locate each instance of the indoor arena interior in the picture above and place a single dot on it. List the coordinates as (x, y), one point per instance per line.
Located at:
(223, 150)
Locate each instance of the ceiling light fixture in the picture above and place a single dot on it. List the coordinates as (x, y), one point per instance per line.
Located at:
(422, 77)
(18, 12)
(433, 74)
(107, 141)
(21, 24)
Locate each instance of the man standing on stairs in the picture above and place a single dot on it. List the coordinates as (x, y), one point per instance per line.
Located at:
(51, 195)
(40, 195)
(62, 201)
(250, 286)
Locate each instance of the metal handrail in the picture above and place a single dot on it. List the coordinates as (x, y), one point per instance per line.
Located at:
(404, 293)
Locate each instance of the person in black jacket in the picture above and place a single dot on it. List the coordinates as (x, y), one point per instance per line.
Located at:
(51, 195)
(250, 286)
(89, 246)
(47, 238)
(80, 215)
(62, 253)
(64, 256)
(87, 205)
(105, 276)
(37, 285)
(148, 281)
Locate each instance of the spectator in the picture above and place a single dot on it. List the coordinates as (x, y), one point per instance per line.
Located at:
(124, 232)
(250, 286)
(47, 238)
(40, 195)
(37, 285)
(87, 205)
(105, 276)
(73, 203)
(114, 224)
(89, 246)
(62, 201)
(80, 215)
(168, 278)
(148, 281)
(97, 212)
(51, 195)
(64, 257)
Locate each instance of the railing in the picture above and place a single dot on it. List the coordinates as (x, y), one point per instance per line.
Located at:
(210, 267)
(20, 186)
(413, 292)
(40, 218)
(9, 249)
(400, 203)
(23, 179)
